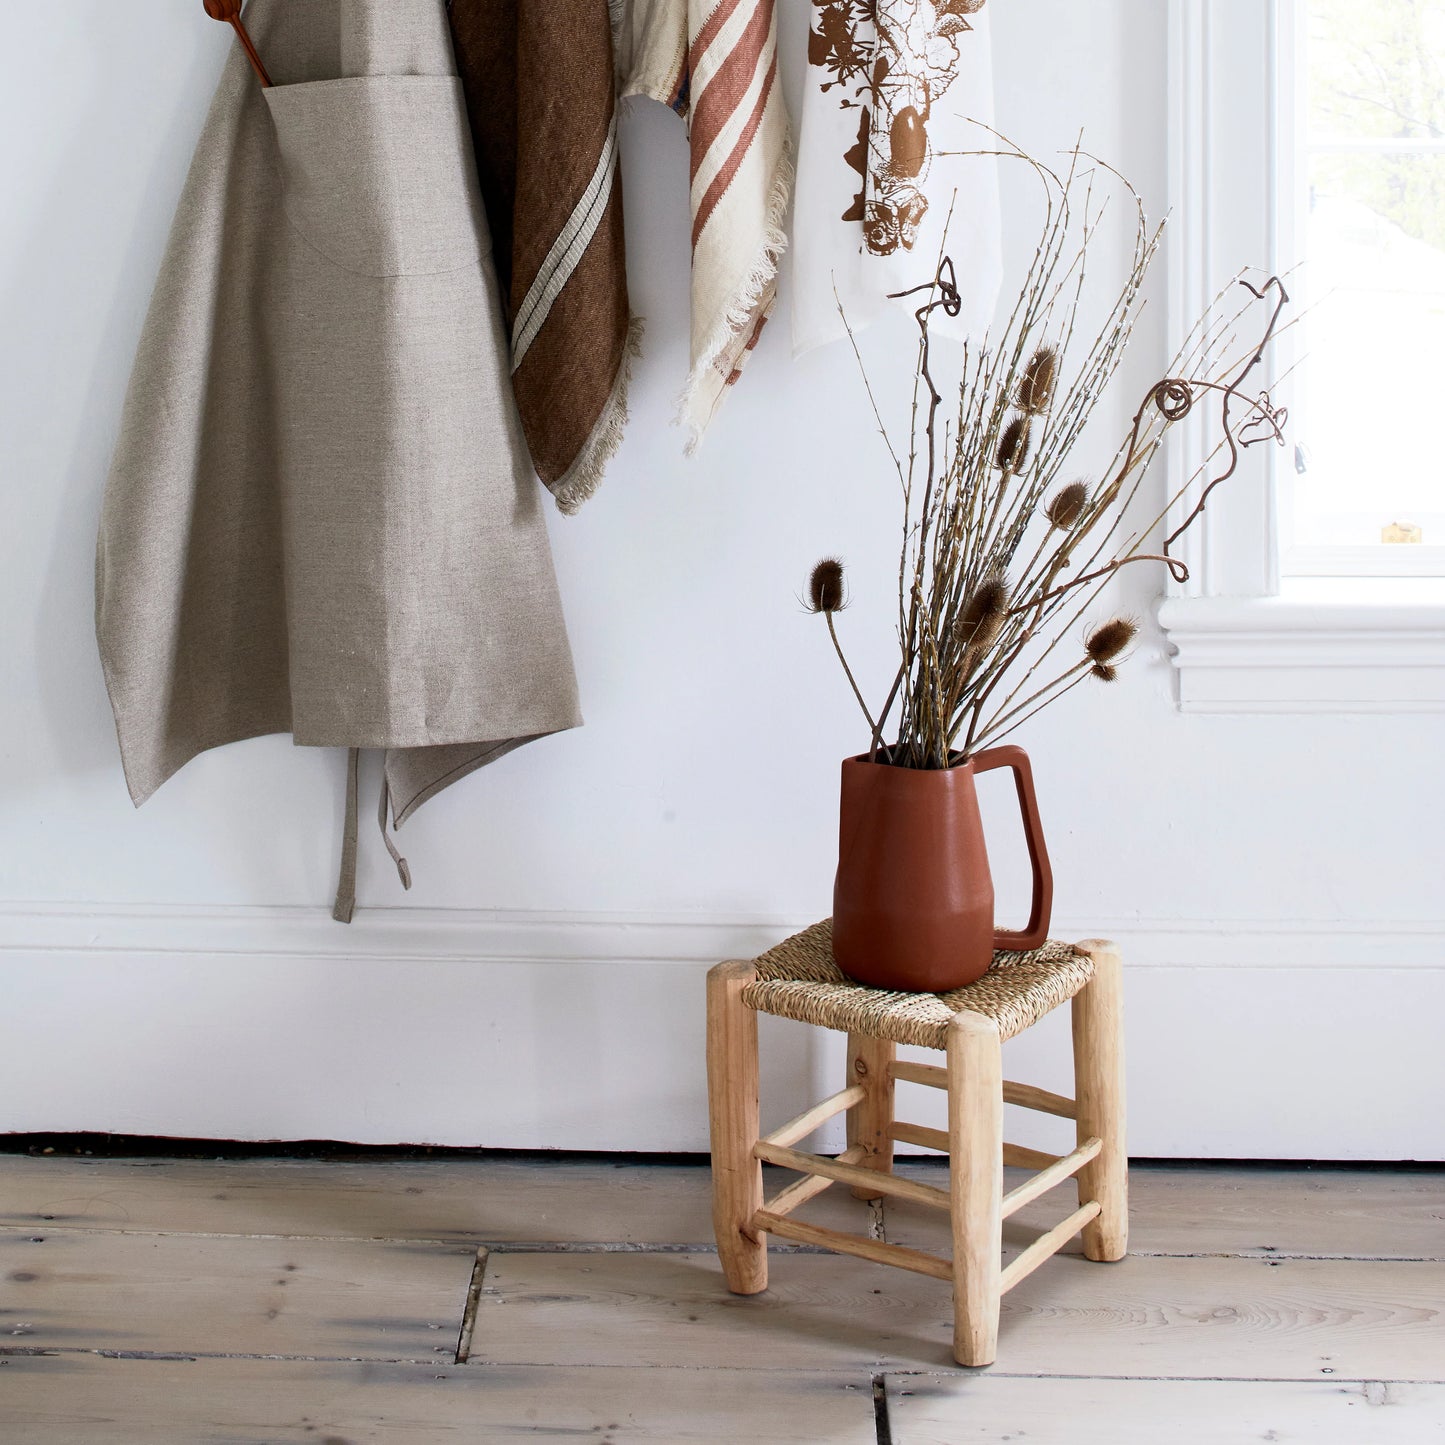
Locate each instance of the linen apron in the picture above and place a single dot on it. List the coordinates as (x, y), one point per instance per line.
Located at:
(321, 518)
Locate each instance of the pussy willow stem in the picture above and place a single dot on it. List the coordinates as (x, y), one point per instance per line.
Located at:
(1047, 702)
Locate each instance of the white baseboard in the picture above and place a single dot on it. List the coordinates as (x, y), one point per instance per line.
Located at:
(400, 935)
(583, 1031)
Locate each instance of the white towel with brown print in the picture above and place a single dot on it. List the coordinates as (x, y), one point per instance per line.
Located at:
(538, 79)
(715, 62)
(894, 88)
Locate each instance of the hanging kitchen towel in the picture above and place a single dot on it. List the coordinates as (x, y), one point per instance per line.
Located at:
(715, 62)
(320, 519)
(538, 77)
(893, 91)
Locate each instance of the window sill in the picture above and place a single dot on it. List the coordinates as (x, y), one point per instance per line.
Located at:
(1324, 645)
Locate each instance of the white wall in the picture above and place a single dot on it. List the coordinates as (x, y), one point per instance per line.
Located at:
(1274, 880)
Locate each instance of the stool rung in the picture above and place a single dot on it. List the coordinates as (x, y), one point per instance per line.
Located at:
(1046, 1245)
(1055, 1174)
(918, 1134)
(1020, 1156)
(1026, 1096)
(1016, 1156)
(929, 1075)
(897, 1255)
(800, 1191)
(810, 1119)
(872, 1179)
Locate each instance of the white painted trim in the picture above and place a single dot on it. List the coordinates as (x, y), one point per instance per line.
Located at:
(481, 937)
(1275, 654)
(557, 1031)
(1222, 219)
(1237, 645)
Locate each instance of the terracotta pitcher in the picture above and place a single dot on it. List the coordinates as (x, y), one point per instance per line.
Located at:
(913, 901)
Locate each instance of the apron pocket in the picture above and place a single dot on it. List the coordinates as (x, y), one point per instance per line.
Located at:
(378, 174)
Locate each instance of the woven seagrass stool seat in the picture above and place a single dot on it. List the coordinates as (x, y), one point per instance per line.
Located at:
(800, 980)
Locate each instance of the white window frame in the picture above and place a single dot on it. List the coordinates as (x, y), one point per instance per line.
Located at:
(1291, 100)
(1242, 640)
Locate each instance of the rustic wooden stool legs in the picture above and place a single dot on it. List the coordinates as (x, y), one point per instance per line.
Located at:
(870, 1063)
(732, 1104)
(974, 1201)
(1099, 1102)
(975, 1148)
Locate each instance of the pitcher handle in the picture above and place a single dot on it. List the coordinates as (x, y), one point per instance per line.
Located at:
(1041, 911)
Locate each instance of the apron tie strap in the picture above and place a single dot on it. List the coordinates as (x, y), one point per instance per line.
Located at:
(345, 904)
(403, 872)
(346, 883)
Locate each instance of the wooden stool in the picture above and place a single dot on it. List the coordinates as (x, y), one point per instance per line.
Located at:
(799, 980)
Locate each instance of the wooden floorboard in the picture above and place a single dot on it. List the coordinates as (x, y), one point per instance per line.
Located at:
(1317, 1213)
(1322, 1213)
(477, 1201)
(79, 1399)
(949, 1410)
(325, 1302)
(1191, 1318)
(231, 1295)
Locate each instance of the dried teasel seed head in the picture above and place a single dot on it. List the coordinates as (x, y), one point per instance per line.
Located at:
(825, 587)
(981, 620)
(1104, 672)
(1013, 447)
(1109, 640)
(1041, 375)
(1065, 507)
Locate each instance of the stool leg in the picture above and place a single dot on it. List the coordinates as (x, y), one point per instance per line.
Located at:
(1099, 1089)
(732, 1105)
(871, 1122)
(975, 1142)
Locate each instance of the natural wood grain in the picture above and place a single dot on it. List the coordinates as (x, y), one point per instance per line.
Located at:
(931, 1076)
(79, 1399)
(1037, 1185)
(975, 1141)
(814, 1118)
(1320, 1212)
(920, 1134)
(490, 1201)
(1021, 1156)
(1042, 1101)
(820, 1312)
(1013, 1154)
(732, 1106)
(887, 1184)
(184, 1293)
(798, 1193)
(1192, 1318)
(854, 1244)
(952, 1410)
(870, 1063)
(466, 1200)
(1047, 1245)
(1098, 1028)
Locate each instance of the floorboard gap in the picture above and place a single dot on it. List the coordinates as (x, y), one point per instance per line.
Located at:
(880, 1410)
(469, 1314)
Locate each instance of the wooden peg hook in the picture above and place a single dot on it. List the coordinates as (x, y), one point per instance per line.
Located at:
(229, 11)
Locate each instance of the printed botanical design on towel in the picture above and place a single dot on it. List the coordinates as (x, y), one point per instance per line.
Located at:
(891, 60)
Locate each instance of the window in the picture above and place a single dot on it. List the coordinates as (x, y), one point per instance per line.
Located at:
(1278, 149)
(1361, 95)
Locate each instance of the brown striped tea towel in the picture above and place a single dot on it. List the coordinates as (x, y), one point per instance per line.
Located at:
(538, 78)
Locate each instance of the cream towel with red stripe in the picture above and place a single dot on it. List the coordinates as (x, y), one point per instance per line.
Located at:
(715, 62)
